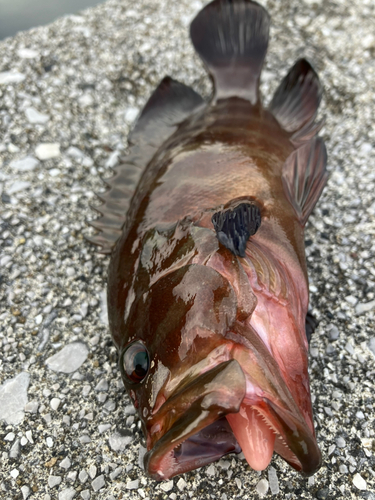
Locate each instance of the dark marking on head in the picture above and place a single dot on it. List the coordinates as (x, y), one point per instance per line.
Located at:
(234, 226)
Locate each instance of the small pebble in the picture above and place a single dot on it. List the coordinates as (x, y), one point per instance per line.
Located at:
(359, 482)
(118, 442)
(92, 471)
(25, 490)
(13, 398)
(54, 481)
(55, 403)
(273, 480)
(181, 484)
(26, 164)
(34, 116)
(69, 358)
(47, 150)
(66, 463)
(132, 485)
(341, 443)
(67, 494)
(7, 77)
(262, 487)
(167, 485)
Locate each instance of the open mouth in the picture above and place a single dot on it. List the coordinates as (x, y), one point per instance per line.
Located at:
(216, 424)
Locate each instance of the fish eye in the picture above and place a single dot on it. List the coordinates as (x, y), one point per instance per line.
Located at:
(136, 362)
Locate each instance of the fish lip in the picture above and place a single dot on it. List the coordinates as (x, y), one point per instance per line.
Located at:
(298, 437)
(209, 406)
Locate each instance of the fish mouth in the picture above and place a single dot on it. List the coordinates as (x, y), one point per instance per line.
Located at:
(221, 420)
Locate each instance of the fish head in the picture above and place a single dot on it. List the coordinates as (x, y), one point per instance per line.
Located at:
(205, 382)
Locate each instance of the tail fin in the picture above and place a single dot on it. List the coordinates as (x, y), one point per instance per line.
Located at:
(231, 37)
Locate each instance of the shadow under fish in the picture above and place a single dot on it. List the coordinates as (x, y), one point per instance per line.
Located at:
(207, 283)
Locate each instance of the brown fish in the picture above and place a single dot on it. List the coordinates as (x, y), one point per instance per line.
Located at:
(207, 284)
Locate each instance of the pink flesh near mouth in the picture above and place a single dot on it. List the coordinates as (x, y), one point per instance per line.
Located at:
(253, 435)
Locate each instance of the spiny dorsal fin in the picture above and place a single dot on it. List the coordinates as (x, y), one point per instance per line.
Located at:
(304, 176)
(231, 37)
(170, 104)
(234, 226)
(297, 98)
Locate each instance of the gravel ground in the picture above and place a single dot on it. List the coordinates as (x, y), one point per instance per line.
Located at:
(68, 94)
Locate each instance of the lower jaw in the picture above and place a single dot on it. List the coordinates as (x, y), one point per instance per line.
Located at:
(248, 430)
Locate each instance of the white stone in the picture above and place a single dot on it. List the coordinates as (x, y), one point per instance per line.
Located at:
(83, 476)
(92, 471)
(117, 442)
(13, 398)
(54, 172)
(167, 485)
(132, 485)
(211, 471)
(86, 100)
(69, 359)
(29, 436)
(181, 484)
(10, 436)
(18, 186)
(66, 463)
(25, 490)
(98, 483)
(14, 473)
(262, 487)
(102, 385)
(131, 114)
(55, 403)
(364, 308)
(273, 480)
(103, 316)
(67, 494)
(34, 116)
(47, 150)
(112, 160)
(26, 164)
(359, 482)
(27, 53)
(54, 481)
(7, 77)
(103, 428)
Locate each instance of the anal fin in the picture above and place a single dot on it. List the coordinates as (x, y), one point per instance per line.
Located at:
(304, 176)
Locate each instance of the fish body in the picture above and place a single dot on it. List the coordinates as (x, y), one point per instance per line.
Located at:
(207, 283)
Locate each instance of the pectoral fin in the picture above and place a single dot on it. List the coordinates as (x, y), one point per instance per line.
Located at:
(304, 176)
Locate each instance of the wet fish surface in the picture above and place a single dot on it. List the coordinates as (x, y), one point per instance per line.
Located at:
(207, 282)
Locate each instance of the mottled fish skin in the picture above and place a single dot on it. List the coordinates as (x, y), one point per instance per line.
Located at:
(212, 344)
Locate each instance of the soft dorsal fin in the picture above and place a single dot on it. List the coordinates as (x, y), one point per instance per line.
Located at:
(304, 176)
(169, 105)
(297, 98)
(231, 37)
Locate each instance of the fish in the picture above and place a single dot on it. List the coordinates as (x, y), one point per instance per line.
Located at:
(207, 282)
